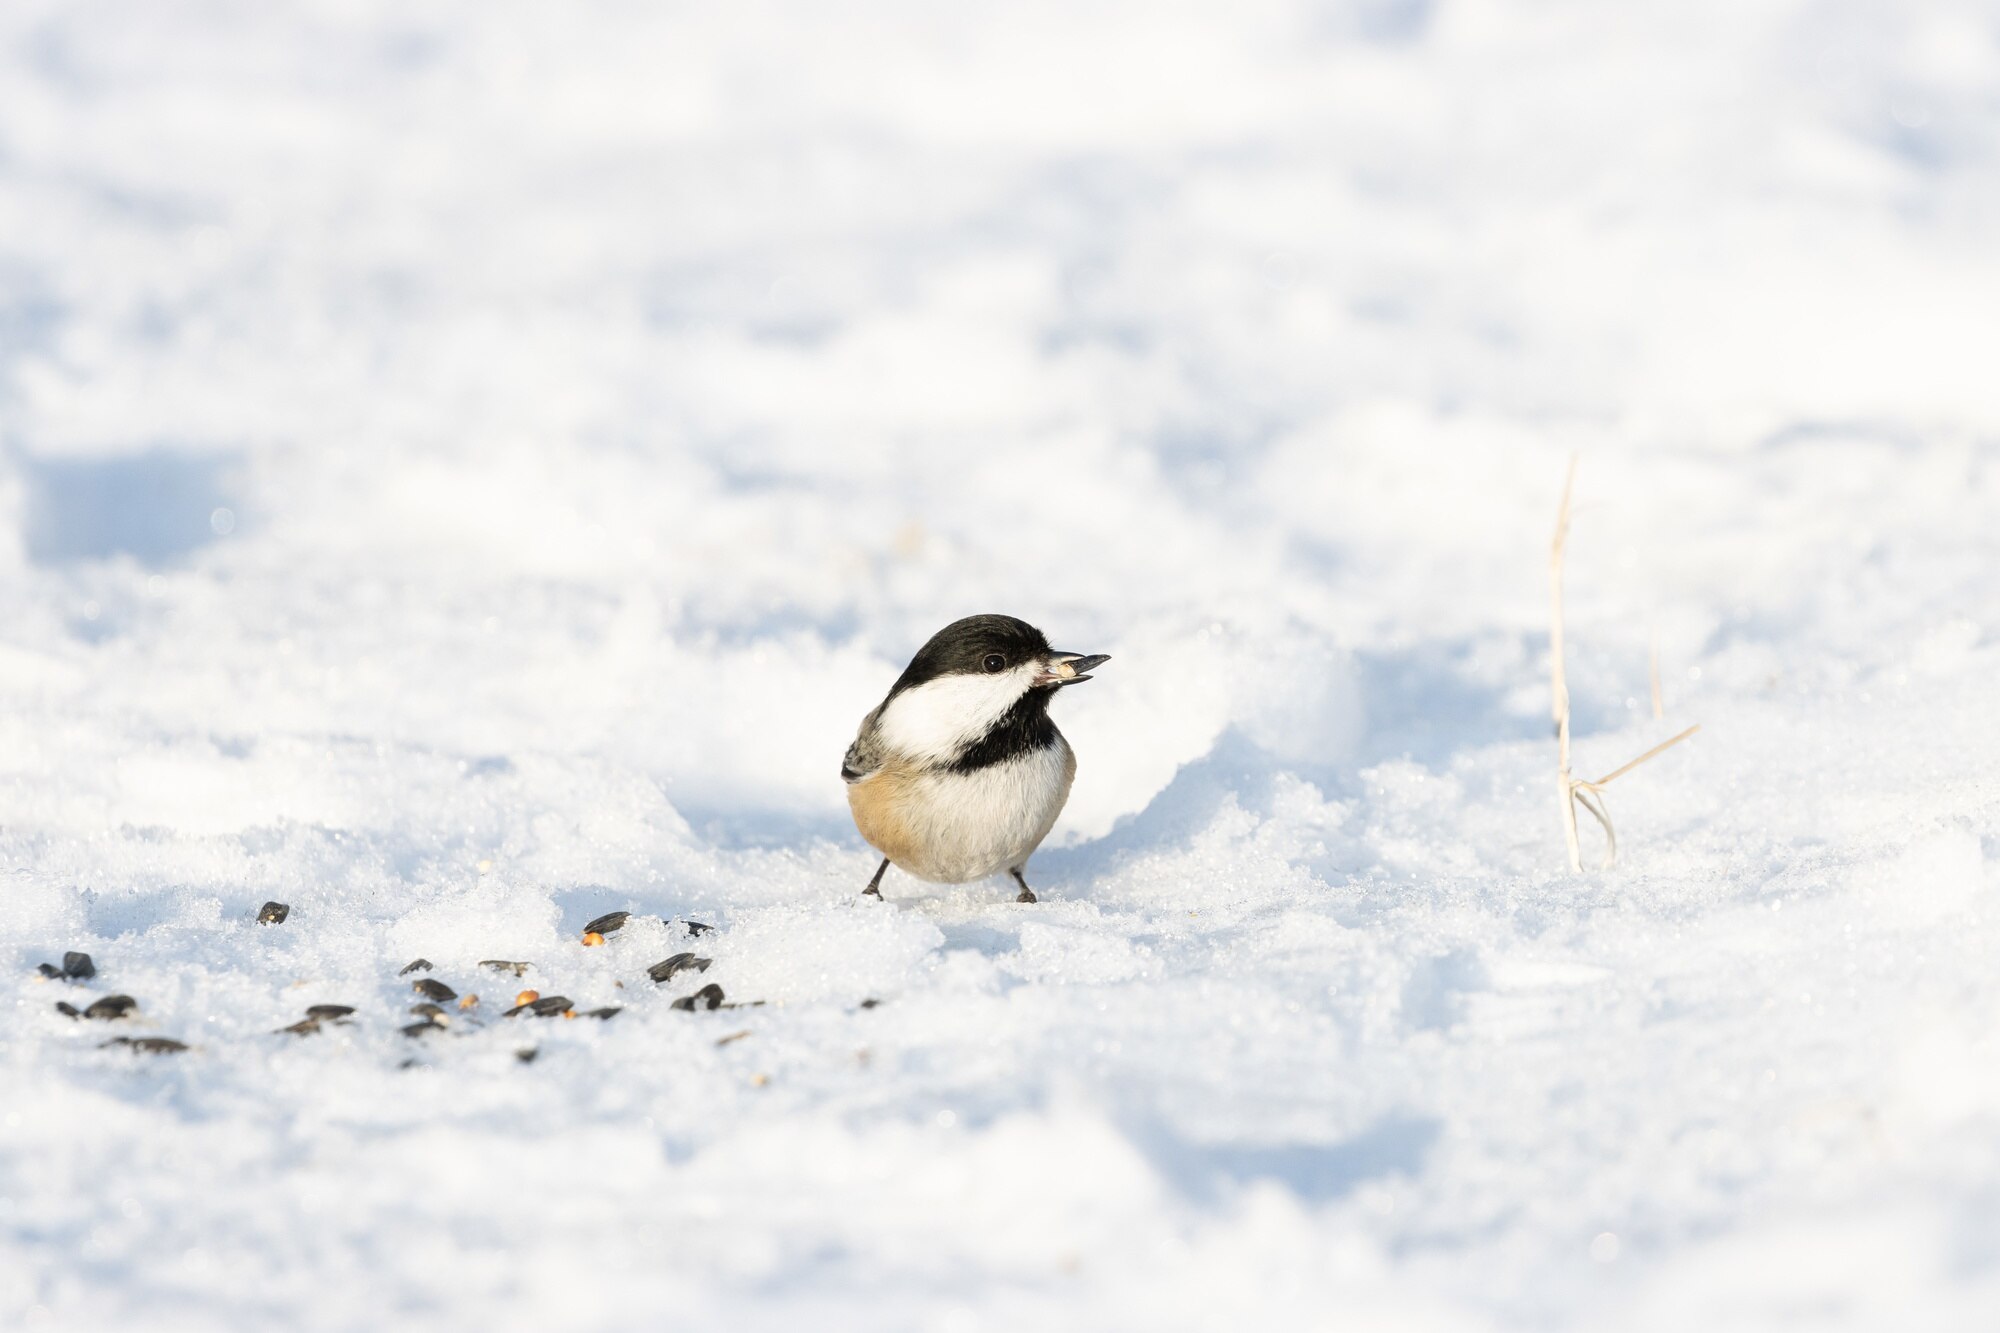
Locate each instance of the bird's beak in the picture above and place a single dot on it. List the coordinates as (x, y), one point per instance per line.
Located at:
(1069, 668)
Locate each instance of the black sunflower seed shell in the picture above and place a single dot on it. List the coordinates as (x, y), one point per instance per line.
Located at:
(148, 1045)
(426, 1010)
(112, 1006)
(329, 1010)
(415, 965)
(305, 1027)
(546, 1007)
(77, 965)
(419, 1029)
(708, 997)
(503, 965)
(433, 990)
(607, 923)
(668, 968)
(271, 914)
(49, 970)
(605, 1012)
(68, 1010)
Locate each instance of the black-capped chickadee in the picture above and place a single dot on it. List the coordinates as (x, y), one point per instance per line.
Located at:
(960, 773)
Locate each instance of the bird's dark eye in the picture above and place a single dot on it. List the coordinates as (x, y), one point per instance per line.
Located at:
(995, 662)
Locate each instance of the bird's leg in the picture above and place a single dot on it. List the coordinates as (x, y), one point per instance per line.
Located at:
(874, 889)
(1027, 894)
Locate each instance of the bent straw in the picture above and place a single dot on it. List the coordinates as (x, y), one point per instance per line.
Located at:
(1571, 790)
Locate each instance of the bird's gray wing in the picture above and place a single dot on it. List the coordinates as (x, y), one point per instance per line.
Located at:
(865, 755)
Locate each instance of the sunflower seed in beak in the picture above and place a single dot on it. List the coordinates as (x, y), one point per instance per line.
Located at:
(1070, 668)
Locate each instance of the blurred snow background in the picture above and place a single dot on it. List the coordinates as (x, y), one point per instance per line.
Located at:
(465, 467)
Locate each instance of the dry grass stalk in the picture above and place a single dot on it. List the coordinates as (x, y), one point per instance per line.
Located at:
(1572, 790)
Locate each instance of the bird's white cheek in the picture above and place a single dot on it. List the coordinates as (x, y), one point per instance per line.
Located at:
(937, 719)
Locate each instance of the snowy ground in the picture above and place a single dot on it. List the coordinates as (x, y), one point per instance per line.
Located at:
(466, 467)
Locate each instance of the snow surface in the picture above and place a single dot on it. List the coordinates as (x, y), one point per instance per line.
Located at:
(466, 467)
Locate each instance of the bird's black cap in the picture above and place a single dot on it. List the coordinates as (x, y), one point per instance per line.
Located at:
(962, 647)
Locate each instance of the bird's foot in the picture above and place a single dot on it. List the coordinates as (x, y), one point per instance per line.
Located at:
(872, 892)
(1026, 895)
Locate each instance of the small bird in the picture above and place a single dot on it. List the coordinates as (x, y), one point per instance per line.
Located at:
(960, 773)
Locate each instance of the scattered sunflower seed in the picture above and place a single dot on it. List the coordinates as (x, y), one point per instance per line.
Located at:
(419, 1029)
(272, 914)
(607, 923)
(433, 990)
(605, 1012)
(503, 965)
(591, 939)
(112, 1006)
(68, 1010)
(696, 928)
(526, 1055)
(329, 1010)
(734, 1036)
(870, 1003)
(546, 1007)
(708, 997)
(49, 971)
(667, 969)
(77, 965)
(148, 1045)
(415, 965)
(305, 1027)
(429, 1011)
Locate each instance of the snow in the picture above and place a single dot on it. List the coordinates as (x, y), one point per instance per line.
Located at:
(467, 468)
